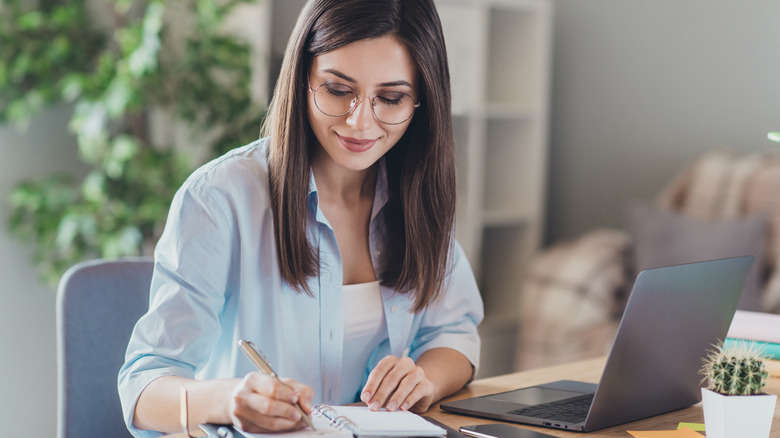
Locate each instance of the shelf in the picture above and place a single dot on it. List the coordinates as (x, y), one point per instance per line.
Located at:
(524, 5)
(499, 334)
(461, 25)
(516, 50)
(498, 52)
(499, 218)
(460, 131)
(505, 254)
(467, 174)
(514, 166)
(510, 111)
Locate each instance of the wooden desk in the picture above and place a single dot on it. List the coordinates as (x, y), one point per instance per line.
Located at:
(587, 371)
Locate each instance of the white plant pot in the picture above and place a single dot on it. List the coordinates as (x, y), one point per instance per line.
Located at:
(737, 416)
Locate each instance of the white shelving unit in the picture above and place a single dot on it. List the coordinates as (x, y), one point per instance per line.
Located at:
(499, 52)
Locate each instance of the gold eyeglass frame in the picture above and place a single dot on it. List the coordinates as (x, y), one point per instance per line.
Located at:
(356, 102)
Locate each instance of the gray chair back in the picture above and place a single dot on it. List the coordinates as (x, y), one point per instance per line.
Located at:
(98, 304)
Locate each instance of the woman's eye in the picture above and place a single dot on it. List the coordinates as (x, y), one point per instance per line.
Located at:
(391, 98)
(339, 90)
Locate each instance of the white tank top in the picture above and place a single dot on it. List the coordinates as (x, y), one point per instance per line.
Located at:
(364, 329)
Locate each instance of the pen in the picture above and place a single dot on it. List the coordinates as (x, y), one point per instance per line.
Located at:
(258, 359)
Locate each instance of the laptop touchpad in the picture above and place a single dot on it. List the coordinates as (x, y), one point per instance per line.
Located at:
(533, 396)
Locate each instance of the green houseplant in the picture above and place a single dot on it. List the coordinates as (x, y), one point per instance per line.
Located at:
(734, 402)
(137, 74)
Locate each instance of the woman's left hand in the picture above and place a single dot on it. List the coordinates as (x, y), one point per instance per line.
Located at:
(398, 383)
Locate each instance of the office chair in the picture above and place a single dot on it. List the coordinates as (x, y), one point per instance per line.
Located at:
(98, 303)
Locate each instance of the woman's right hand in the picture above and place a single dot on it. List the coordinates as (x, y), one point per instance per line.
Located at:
(261, 403)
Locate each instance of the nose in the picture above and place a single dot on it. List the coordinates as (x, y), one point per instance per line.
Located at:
(361, 117)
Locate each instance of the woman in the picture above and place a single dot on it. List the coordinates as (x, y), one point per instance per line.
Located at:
(328, 243)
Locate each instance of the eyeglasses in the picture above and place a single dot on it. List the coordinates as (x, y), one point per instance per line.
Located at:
(390, 107)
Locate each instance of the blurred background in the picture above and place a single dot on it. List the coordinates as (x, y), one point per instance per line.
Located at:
(632, 92)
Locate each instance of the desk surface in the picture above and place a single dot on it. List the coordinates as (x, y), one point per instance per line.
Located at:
(587, 371)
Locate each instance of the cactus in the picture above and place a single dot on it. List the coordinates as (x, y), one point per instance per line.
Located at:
(735, 369)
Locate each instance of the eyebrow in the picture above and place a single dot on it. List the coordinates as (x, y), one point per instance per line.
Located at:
(383, 84)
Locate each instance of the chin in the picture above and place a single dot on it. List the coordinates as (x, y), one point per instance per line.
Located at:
(357, 164)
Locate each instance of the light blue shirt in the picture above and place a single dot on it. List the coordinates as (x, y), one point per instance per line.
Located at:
(217, 280)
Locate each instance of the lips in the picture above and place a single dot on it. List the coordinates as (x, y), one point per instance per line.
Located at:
(355, 144)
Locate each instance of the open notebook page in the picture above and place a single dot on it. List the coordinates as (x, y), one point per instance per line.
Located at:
(387, 423)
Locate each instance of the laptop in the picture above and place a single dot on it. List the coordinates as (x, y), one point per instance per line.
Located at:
(673, 317)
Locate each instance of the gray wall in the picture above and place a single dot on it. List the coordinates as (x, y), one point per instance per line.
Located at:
(641, 87)
(28, 368)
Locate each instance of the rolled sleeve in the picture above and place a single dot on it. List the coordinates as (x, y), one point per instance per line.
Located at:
(452, 321)
(179, 332)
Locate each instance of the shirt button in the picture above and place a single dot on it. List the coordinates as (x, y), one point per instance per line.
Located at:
(378, 252)
(394, 309)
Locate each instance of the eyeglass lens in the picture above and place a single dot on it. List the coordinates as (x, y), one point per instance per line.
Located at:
(391, 107)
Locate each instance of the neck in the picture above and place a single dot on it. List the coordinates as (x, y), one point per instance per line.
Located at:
(343, 185)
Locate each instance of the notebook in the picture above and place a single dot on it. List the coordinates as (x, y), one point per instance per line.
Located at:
(363, 422)
(761, 328)
(755, 326)
(674, 315)
(349, 421)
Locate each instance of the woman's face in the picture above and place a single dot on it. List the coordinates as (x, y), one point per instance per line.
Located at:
(380, 66)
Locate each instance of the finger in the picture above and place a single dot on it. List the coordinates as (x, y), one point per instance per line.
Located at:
(405, 388)
(304, 392)
(261, 402)
(271, 387)
(375, 378)
(261, 396)
(390, 382)
(420, 399)
(259, 412)
(266, 424)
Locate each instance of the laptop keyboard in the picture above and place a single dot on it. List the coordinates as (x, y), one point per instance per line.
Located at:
(571, 410)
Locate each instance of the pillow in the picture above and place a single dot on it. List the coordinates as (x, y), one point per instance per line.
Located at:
(662, 238)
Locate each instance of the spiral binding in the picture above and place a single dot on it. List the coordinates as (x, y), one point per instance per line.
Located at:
(323, 410)
(337, 421)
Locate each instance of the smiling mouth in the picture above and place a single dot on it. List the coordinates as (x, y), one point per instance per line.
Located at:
(356, 144)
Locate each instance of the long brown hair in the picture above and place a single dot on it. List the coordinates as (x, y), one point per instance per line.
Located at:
(420, 168)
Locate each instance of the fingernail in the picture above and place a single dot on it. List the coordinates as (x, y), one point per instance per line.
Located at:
(391, 406)
(404, 406)
(365, 397)
(374, 406)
